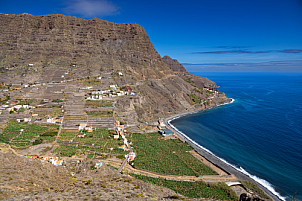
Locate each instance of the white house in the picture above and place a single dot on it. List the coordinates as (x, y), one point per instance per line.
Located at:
(82, 126)
(132, 156)
(113, 87)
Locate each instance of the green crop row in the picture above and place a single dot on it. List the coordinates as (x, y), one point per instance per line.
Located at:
(158, 155)
(66, 136)
(33, 134)
(216, 191)
(106, 113)
(96, 104)
(101, 138)
(13, 128)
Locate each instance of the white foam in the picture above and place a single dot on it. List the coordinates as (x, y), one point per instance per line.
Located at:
(263, 182)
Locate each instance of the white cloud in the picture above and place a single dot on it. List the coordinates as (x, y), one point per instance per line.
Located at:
(91, 8)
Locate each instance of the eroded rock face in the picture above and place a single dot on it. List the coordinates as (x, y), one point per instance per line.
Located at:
(174, 65)
(61, 40)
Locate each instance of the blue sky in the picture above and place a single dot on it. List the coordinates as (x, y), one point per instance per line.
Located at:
(196, 31)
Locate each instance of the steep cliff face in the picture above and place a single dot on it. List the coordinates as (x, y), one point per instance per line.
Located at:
(54, 44)
(96, 44)
(174, 65)
(180, 70)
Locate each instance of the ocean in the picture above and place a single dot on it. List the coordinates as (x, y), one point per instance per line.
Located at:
(260, 133)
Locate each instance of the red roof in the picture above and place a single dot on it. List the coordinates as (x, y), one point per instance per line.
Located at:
(129, 88)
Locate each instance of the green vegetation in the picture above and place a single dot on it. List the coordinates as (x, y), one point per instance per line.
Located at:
(21, 110)
(196, 99)
(51, 106)
(217, 191)
(209, 92)
(96, 104)
(4, 99)
(102, 139)
(66, 136)
(37, 141)
(90, 81)
(64, 150)
(58, 100)
(13, 128)
(198, 90)
(3, 139)
(99, 137)
(106, 113)
(158, 155)
(32, 133)
(52, 113)
(29, 101)
(20, 144)
(189, 80)
(253, 187)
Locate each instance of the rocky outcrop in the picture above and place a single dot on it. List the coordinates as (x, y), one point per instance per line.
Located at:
(174, 65)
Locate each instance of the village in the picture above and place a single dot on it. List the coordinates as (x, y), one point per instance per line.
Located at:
(67, 114)
(69, 121)
(71, 117)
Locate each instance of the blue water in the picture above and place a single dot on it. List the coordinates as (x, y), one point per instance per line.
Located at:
(260, 132)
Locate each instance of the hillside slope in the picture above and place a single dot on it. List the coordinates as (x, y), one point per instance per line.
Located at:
(35, 48)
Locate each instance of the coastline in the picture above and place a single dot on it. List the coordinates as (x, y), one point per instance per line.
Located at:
(221, 163)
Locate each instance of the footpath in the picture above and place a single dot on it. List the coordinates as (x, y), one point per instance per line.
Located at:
(206, 178)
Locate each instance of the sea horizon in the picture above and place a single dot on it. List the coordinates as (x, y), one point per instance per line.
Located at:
(265, 150)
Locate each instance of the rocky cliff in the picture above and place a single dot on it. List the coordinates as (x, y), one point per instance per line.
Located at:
(91, 44)
(33, 47)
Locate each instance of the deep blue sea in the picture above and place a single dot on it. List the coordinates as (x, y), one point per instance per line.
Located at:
(260, 133)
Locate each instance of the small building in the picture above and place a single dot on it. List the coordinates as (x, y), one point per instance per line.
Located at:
(88, 128)
(24, 120)
(51, 121)
(166, 132)
(120, 127)
(122, 147)
(132, 156)
(129, 88)
(82, 126)
(113, 87)
(116, 137)
(161, 123)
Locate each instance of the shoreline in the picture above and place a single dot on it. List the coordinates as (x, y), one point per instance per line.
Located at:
(221, 163)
